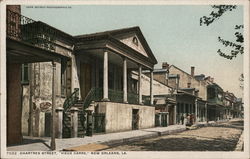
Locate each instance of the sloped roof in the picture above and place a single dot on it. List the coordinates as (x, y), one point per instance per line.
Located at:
(111, 33)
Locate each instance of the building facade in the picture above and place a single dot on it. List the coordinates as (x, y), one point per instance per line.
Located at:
(99, 74)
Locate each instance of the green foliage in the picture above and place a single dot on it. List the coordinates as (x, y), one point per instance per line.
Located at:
(237, 46)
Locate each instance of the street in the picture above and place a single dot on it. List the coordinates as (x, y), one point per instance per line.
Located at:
(222, 137)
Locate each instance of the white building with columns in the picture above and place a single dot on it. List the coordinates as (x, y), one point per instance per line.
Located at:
(105, 63)
(100, 67)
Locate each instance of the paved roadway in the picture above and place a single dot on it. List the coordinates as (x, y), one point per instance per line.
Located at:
(222, 137)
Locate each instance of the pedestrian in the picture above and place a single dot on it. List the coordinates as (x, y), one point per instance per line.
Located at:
(182, 119)
(188, 120)
(191, 119)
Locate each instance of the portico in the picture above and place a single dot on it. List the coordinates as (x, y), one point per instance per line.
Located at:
(110, 66)
(114, 61)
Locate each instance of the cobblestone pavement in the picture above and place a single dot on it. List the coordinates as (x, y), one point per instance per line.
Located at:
(222, 137)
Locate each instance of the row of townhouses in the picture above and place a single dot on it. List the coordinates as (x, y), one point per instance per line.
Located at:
(98, 83)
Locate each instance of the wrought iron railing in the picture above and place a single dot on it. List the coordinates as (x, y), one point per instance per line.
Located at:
(22, 28)
(215, 101)
(133, 98)
(68, 103)
(71, 100)
(115, 95)
(95, 94)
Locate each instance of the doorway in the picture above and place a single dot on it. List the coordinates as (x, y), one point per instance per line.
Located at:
(171, 114)
(85, 79)
(135, 119)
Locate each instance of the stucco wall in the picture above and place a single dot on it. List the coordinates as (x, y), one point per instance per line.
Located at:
(161, 77)
(185, 78)
(25, 109)
(158, 88)
(119, 116)
(42, 96)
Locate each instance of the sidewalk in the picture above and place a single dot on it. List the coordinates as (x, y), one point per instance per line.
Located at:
(42, 144)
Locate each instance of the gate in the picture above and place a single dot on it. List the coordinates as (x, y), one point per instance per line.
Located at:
(161, 119)
(157, 119)
(164, 119)
(135, 119)
(99, 122)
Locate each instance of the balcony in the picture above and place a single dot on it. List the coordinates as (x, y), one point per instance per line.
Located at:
(215, 101)
(33, 32)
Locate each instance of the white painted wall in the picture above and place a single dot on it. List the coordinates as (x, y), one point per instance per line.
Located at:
(158, 88)
(119, 116)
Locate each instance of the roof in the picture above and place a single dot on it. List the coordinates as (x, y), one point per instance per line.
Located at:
(173, 76)
(180, 70)
(59, 31)
(215, 85)
(111, 33)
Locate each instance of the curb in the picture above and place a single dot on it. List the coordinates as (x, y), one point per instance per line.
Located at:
(137, 138)
(240, 143)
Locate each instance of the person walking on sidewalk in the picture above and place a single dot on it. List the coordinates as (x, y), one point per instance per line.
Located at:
(188, 120)
(182, 119)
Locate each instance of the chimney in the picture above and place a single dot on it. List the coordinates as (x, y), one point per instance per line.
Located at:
(192, 71)
(165, 65)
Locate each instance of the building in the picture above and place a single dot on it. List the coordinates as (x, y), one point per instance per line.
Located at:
(20, 51)
(98, 75)
(189, 91)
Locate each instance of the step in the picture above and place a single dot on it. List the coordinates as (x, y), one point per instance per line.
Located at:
(80, 102)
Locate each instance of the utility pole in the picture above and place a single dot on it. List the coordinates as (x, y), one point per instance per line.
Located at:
(53, 142)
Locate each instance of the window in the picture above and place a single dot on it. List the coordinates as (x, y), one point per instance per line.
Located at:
(25, 74)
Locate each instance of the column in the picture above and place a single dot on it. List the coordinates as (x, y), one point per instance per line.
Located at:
(53, 142)
(59, 112)
(139, 84)
(167, 118)
(105, 76)
(160, 118)
(151, 87)
(175, 107)
(206, 113)
(74, 121)
(196, 111)
(125, 89)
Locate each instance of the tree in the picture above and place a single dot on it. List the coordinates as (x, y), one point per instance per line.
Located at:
(236, 46)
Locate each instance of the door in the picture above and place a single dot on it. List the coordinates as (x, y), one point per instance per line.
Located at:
(135, 119)
(171, 115)
(85, 79)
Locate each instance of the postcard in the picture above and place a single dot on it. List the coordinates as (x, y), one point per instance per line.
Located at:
(124, 79)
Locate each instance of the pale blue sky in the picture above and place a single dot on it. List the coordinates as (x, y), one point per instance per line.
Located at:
(172, 32)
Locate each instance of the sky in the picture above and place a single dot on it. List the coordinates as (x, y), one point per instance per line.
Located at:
(173, 33)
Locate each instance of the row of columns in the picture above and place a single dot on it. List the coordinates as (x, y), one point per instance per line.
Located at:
(125, 82)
